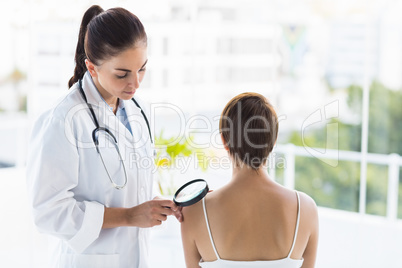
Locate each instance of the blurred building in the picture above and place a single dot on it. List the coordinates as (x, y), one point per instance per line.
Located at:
(354, 52)
(199, 56)
(202, 53)
(366, 48)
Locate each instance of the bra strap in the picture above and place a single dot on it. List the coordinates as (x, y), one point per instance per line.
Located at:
(297, 224)
(209, 230)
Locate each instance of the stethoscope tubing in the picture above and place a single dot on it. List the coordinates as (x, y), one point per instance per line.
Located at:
(98, 128)
(96, 121)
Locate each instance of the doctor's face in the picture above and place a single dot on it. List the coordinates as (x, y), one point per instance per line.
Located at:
(120, 76)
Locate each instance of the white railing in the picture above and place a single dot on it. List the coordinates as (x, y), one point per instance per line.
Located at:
(290, 151)
(393, 161)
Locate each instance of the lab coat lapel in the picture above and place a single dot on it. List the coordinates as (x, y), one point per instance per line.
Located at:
(139, 137)
(136, 121)
(90, 90)
(105, 117)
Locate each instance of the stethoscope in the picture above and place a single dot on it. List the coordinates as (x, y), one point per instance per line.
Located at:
(95, 137)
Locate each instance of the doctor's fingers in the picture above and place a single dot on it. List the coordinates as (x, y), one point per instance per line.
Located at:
(166, 211)
(157, 209)
(156, 222)
(178, 215)
(167, 203)
(158, 219)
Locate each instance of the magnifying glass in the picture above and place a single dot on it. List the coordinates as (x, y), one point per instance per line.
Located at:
(191, 192)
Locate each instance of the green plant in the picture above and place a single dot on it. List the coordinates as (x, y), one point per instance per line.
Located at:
(169, 152)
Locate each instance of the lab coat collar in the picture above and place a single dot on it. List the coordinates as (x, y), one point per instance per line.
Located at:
(133, 114)
(94, 98)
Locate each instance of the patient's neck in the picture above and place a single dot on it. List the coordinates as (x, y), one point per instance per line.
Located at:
(245, 172)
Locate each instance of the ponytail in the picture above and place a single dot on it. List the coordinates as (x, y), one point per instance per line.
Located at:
(80, 56)
(104, 34)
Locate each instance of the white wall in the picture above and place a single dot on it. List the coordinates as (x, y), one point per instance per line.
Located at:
(349, 239)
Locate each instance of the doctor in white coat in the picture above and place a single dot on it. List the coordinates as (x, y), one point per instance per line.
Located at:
(89, 169)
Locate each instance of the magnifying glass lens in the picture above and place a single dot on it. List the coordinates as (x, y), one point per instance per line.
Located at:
(191, 192)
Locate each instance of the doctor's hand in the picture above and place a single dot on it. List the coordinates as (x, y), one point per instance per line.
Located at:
(152, 213)
(176, 209)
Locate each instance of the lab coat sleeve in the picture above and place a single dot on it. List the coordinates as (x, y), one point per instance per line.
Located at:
(52, 172)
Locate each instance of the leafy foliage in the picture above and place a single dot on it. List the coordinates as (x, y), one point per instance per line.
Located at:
(338, 187)
(170, 151)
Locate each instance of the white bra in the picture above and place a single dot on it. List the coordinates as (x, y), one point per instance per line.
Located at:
(281, 263)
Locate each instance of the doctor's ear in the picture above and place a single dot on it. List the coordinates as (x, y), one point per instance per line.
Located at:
(91, 67)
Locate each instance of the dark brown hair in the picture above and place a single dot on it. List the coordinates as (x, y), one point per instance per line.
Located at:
(104, 34)
(249, 126)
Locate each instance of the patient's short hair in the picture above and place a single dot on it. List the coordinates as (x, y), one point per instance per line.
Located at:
(249, 126)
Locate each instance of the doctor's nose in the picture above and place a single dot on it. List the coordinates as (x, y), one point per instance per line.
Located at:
(136, 81)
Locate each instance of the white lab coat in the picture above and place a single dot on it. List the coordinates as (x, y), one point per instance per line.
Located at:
(69, 187)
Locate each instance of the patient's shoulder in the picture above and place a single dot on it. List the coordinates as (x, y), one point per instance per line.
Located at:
(307, 204)
(192, 218)
(308, 211)
(196, 212)
(192, 212)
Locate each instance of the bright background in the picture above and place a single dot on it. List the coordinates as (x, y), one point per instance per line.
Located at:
(332, 69)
